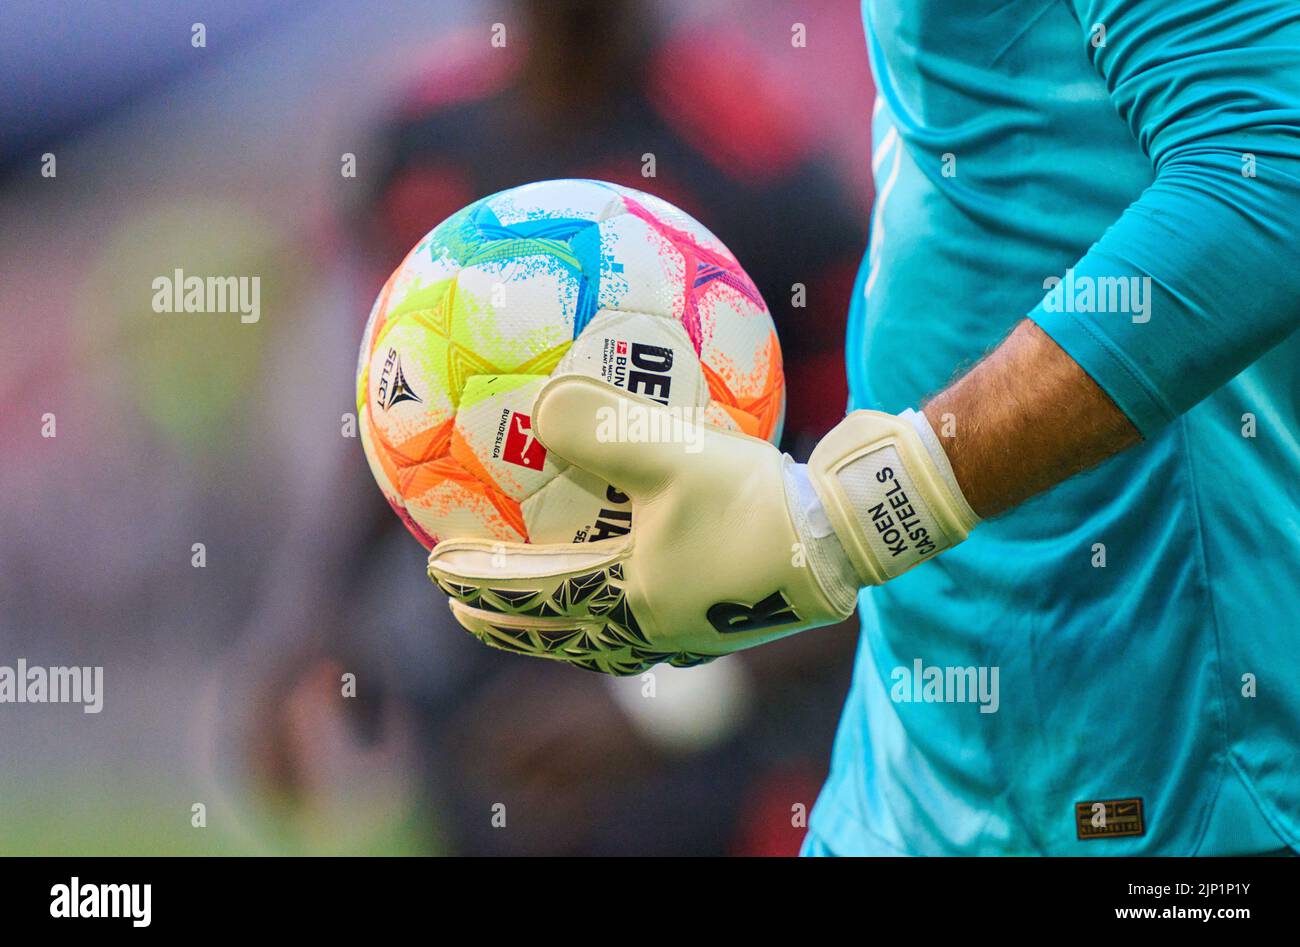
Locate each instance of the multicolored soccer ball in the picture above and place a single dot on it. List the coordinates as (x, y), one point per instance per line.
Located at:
(557, 276)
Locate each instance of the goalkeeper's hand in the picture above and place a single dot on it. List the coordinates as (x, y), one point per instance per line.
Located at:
(732, 543)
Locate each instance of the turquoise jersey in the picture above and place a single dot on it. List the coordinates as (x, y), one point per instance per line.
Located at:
(1143, 618)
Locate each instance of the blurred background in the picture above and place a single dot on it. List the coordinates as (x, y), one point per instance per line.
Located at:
(224, 683)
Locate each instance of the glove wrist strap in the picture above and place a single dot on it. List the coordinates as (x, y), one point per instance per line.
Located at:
(889, 492)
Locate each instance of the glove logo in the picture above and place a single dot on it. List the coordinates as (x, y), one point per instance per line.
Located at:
(772, 612)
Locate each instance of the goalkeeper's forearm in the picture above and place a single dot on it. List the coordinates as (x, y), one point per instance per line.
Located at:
(1022, 420)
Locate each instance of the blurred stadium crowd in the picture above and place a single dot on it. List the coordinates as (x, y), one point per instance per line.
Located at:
(222, 682)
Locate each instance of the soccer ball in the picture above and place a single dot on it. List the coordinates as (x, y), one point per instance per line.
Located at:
(565, 276)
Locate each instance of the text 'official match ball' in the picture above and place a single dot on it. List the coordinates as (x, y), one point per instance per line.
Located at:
(554, 277)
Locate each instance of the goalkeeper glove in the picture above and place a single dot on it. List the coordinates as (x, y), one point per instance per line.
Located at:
(732, 544)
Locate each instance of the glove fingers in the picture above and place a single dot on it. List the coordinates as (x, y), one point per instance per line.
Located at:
(479, 561)
(594, 643)
(587, 644)
(512, 601)
(542, 582)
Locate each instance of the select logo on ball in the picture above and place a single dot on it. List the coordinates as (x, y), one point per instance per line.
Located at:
(393, 388)
(521, 447)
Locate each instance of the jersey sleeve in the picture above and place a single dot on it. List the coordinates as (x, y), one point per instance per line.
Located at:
(1210, 90)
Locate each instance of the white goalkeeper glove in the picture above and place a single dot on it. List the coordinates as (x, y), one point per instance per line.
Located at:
(732, 543)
